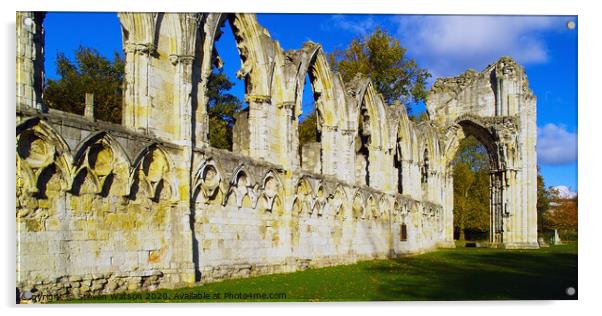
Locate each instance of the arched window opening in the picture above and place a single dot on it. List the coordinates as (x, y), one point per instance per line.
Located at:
(224, 91)
(471, 176)
(425, 168)
(362, 152)
(84, 65)
(403, 232)
(309, 135)
(398, 164)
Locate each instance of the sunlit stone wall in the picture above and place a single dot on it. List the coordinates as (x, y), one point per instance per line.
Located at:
(105, 208)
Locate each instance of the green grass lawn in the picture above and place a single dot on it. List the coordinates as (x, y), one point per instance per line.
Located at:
(454, 274)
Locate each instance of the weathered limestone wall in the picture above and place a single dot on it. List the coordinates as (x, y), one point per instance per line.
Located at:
(93, 217)
(104, 208)
(311, 159)
(263, 223)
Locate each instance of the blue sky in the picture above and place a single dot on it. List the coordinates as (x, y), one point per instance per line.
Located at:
(445, 45)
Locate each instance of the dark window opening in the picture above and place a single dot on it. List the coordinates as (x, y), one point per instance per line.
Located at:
(308, 133)
(403, 232)
(425, 168)
(362, 141)
(399, 167)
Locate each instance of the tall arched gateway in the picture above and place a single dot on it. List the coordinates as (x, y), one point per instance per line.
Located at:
(497, 107)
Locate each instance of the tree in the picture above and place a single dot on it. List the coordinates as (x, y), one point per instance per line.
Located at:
(381, 58)
(419, 117)
(308, 131)
(471, 188)
(221, 107)
(544, 196)
(91, 73)
(464, 179)
(563, 215)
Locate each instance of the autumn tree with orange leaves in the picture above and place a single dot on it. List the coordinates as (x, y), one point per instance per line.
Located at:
(562, 215)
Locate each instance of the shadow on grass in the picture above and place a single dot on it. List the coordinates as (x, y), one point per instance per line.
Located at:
(455, 274)
(481, 274)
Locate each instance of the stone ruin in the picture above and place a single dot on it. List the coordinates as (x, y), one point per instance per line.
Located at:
(109, 208)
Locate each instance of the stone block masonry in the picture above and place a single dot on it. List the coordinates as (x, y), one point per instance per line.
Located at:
(105, 208)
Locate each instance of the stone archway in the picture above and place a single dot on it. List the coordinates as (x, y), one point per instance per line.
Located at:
(464, 128)
(497, 107)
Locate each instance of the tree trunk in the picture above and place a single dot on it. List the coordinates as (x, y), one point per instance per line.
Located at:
(462, 236)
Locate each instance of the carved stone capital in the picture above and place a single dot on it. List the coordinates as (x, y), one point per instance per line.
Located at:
(287, 105)
(258, 98)
(140, 48)
(183, 59)
(348, 132)
(330, 128)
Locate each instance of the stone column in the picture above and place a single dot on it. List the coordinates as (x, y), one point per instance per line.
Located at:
(258, 126)
(406, 176)
(182, 111)
(182, 97)
(201, 117)
(380, 170)
(89, 106)
(329, 150)
(283, 139)
(346, 155)
(448, 211)
(137, 99)
(30, 59)
(524, 211)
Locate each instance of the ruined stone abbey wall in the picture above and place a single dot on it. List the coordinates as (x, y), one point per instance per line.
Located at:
(105, 208)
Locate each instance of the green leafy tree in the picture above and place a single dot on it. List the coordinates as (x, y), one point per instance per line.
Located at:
(471, 188)
(90, 73)
(544, 197)
(419, 117)
(93, 73)
(380, 57)
(308, 131)
(221, 107)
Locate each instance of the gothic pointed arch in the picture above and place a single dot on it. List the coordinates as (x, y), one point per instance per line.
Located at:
(487, 135)
(184, 28)
(101, 157)
(384, 207)
(208, 183)
(358, 205)
(330, 105)
(271, 189)
(255, 47)
(371, 210)
(154, 171)
(371, 104)
(139, 30)
(338, 201)
(242, 188)
(43, 156)
(304, 196)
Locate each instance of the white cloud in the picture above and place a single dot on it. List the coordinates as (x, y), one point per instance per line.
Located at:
(448, 45)
(357, 26)
(556, 145)
(564, 192)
